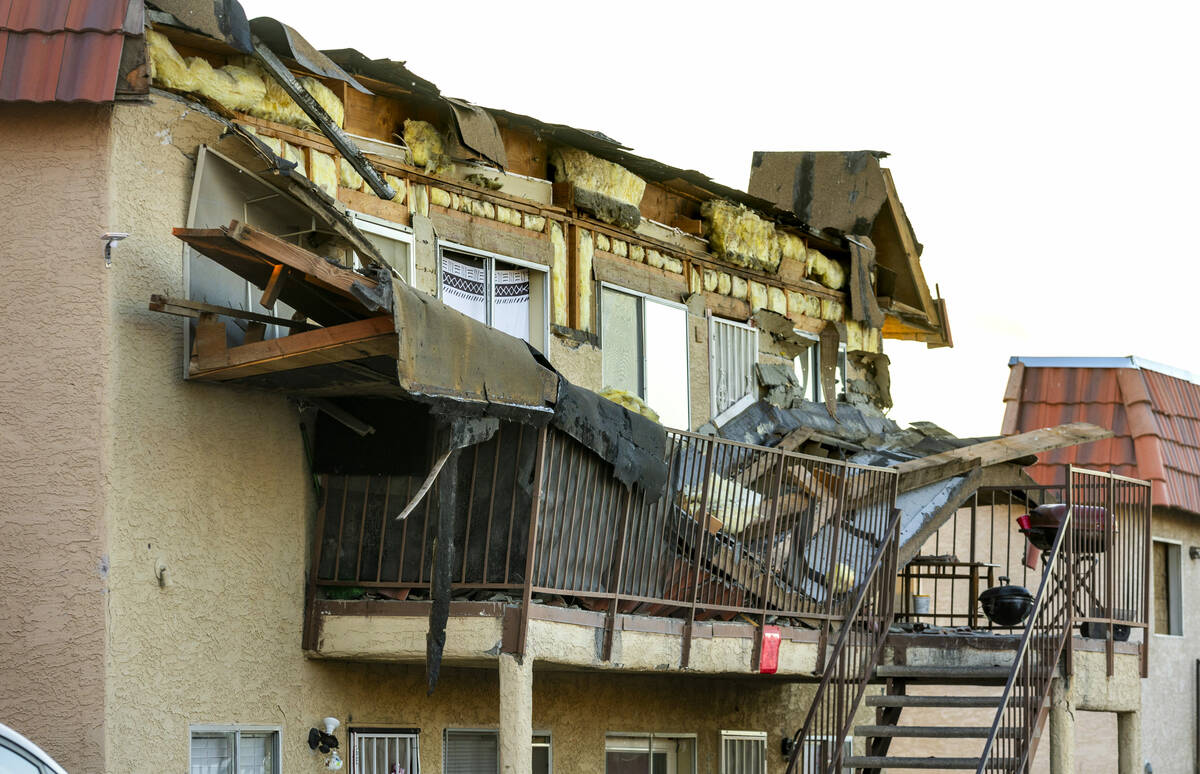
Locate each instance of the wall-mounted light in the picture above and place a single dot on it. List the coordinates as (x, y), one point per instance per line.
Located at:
(110, 240)
(326, 743)
(1194, 552)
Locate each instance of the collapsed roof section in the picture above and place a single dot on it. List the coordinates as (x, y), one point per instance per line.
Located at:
(849, 193)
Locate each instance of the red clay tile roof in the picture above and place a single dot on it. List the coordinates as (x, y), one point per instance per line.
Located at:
(64, 50)
(1154, 411)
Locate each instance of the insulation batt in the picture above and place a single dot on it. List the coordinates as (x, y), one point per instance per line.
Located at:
(758, 296)
(740, 237)
(425, 143)
(724, 284)
(792, 247)
(324, 172)
(695, 282)
(167, 67)
(233, 87)
(738, 288)
(439, 197)
(603, 243)
(278, 106)
(777, 301)
(348, 176)
(534, 222)
(637, 253)
(274, 143)
(654, 258)
(710, 280)
(673, 265)
(558, 275)
(825, 270)
(631, 402)
(398, 186)
(583, 257)
(583, 170)
(729, 502)
(620, 248)
(292, 153)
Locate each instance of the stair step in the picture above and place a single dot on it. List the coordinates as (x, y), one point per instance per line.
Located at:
(954, 674)
(925, 732)
(901, 700)
(889, 762)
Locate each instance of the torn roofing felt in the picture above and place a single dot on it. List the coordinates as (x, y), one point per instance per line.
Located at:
(220, 19)
(838, 190)
(635, 446)
(285, 41)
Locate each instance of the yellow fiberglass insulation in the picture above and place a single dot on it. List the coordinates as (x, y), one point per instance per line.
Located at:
(167, 67)
(583, 170)
(620, 248)
(274, 143)
(637, 253)
(758, 296)
(791, 247)
(425, 143)
(233, 87)
(800, 305)
(710, 280)
(631, 402)
(584, 251)
(398, 185)
(533, 222)
(695, 282)
(724, 284)
(740, 237)
(603, 243)
(777, 301)
(831, 310)
(292, 153)
(348, 176)
(325, 97)
(738, 288)
(440, 198)
(825, 270)
(558, 275)
(324, 172)
(729, 502)
(278, 106)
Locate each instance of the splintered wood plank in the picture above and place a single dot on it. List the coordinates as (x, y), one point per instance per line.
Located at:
(183, 307)
(335, 344)
(279, 275)
(210, 342)
(296, 257)
(936, 467)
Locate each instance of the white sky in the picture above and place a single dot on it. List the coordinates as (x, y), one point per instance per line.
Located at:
(1044, 151)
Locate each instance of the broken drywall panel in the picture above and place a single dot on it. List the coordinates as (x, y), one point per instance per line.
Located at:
(841, 190)
(606, 190)
(740, 237)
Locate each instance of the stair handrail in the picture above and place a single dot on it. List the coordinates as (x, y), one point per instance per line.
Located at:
(1010, 738)
(837, 706)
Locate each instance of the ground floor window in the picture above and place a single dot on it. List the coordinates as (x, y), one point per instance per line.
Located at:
(743, 752)
(649, 754)
(477, 751)
(385, 751)
(234, 750)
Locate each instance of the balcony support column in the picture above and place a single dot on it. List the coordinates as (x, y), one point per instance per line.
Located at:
(1062, 726)
(516, 714)
(1129, 743)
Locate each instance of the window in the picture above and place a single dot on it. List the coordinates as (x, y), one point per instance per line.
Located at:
(385, 751)
(393, 242)
(477, 751)
(743, 752)
(13, 761)
(645, 351)
(811, 761)
(732, 353)
(650, 754)
(808, 370)
(1168, 589)
(215, 749)
(505, 293)
(222, 192)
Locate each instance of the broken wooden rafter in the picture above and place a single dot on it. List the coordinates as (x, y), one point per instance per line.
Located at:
(937, 467)
(340, 139)
(182, 307)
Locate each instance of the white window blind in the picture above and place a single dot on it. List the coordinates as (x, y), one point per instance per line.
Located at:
(732, 353)
(471, 752)
(385, 752)
(215, 751)
(503, 294)
(743, 752)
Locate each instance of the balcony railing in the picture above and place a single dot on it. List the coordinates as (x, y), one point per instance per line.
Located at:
(739, 529)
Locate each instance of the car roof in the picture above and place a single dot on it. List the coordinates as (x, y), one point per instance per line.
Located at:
(31, 748)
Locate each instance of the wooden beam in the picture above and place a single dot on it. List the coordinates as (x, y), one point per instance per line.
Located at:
(325, 273)
(279, 275)
(937, 467)
(909, 243)
(182, 307)
(372, 337)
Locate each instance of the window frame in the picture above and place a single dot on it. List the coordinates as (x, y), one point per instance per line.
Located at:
(651, 737)
(743, 736)
(687, 350)
(549, 744)
(815, 392)
(390, 230)
(236, 729)
(490, 259)
(713, 322)
(354, 733)
(1175, 605)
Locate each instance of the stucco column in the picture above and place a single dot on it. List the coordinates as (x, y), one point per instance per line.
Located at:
(1129, 743)
(1062, 727)
(516, 714)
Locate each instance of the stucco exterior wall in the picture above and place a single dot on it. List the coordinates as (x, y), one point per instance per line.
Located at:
(53, 565)
(1169, 710)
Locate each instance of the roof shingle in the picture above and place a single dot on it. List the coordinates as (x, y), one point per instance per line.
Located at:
(1155, 416)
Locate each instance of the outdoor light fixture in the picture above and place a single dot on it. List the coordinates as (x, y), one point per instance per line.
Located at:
(326, 743)
(110, 239)
(1194, 552)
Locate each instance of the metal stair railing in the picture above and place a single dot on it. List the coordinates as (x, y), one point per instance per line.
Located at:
(819, 744)
(1010, 741)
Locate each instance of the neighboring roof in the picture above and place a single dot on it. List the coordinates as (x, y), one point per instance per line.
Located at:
(64, 50)
(1153, 410)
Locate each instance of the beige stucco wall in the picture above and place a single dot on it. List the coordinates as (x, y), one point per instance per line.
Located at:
(53, 563)
(1169, 693)
(212, 482)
